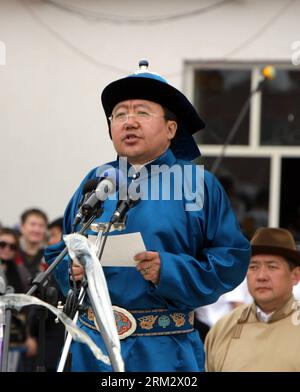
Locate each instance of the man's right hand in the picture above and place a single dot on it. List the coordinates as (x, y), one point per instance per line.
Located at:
(78, 272)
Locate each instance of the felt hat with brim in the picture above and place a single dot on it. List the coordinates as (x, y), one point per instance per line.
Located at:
(152, 87)
(275, 241)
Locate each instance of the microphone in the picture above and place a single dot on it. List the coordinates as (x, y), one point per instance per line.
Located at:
(108, 184)
(122, 208)
(98, 189)
(88, 187)
(106, 187)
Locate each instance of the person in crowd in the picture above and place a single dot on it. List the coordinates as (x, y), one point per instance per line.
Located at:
(32, 241)
(33, 231)
(262, 336)
(55, 230)
(15, 279)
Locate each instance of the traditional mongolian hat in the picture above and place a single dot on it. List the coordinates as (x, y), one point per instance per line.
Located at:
(152, 87)
(275, 241)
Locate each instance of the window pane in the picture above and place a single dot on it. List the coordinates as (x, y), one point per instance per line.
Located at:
(246, 181)
(290, 196)
(219, 98)
(280, 115)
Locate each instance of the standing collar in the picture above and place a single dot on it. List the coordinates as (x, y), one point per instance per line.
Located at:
(278, 314)
(262, 316)
(167, 158)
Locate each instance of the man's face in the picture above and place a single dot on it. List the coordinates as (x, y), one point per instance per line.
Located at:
(34, 229)
(270, 281)
(8, 247)
(141, 139)
(54, 235)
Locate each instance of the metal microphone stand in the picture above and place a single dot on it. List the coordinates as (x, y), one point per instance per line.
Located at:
(40, 279)
(68, 341)
(6, 336)
(102, 228)
(37, 283)
(48, 294)
(118, 221)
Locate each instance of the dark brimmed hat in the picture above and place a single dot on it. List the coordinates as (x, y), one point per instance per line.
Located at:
(152, 87)
(275, 241)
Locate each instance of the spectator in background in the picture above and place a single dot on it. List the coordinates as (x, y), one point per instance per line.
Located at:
(15, 276)
(263, 336)
(33, 238)
(31, 256)
(55, 230)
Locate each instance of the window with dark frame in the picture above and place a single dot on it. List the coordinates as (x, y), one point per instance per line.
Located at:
(219, 97)
(280, 114)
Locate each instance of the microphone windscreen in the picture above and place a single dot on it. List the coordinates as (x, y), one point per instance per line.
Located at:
(115, 176)
(90, 185)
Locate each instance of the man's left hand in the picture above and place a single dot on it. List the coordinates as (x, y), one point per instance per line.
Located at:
(149, 265)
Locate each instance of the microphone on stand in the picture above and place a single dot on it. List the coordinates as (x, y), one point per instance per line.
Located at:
(123, 207)
(97, 190)
(87, 190)
(107, 185)
(90, 186)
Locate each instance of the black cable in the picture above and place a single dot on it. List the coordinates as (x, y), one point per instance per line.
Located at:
(235, 127)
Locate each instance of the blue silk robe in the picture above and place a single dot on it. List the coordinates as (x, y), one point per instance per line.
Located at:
(203, 255)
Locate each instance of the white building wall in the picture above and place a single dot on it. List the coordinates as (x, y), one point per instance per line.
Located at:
(53, 129)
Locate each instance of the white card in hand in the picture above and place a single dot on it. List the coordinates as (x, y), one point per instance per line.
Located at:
(119, 250)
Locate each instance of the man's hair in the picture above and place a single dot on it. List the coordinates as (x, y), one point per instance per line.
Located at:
(57, 223)
(33, 211)
(13, 233)
(169, 115)
(292, 264)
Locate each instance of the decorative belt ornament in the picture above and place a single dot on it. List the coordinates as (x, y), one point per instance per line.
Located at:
(126, 324)
(145, 322)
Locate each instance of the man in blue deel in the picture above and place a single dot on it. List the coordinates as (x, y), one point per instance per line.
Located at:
(195, 252)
